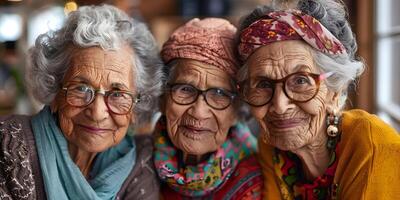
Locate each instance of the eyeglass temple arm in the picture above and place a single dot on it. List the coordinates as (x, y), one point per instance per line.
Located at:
(325, 75)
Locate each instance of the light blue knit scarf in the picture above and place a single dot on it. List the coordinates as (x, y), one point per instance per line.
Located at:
(62, 178)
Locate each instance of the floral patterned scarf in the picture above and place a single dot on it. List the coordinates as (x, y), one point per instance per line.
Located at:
(203, 179)
(292, 183)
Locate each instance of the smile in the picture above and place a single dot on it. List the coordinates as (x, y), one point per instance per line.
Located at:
(286, 123)
(195, 133)
(94, 130)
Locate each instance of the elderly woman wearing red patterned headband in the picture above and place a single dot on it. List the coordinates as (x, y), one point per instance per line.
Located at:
(202, 151)
(298, 63)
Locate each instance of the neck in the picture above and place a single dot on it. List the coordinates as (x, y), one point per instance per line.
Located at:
(82, 159)
(191, 159)
(314, 158)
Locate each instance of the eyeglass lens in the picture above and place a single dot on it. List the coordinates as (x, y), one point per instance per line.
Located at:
(300, 87)
(185, 94)
(119, 102)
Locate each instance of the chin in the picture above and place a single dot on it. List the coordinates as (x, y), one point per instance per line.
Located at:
(95, 148)
(285, 144)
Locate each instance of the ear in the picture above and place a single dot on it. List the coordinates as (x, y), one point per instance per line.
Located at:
(333, 100)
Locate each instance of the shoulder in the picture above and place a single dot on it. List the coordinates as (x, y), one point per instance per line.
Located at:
(142, 182)
(246, 181)
(16, 158)
(368, 152)
(367, 129)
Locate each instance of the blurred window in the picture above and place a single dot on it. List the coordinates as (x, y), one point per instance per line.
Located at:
(388, 61)
(45, 20)
(10, 27)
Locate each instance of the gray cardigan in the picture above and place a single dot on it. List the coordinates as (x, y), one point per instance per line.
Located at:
(20, 173)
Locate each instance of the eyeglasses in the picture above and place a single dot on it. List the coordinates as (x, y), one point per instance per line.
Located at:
(185, 94)
(298, 87)
(118, 101)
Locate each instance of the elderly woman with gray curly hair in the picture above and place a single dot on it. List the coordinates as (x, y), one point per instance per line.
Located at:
(299, 58)
(97, 75)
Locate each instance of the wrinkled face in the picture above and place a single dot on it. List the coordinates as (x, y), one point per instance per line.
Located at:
(94, 128)
(286, 124)
(197, 128)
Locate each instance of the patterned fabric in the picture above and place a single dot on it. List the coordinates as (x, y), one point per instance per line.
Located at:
(201, 180)
(210, 40)
(245, 183)
(292, 183)
(16, 173)
(288, 25)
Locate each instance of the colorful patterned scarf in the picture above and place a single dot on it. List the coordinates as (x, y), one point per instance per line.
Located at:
(203, 179)
(292, 183)
(288, 25)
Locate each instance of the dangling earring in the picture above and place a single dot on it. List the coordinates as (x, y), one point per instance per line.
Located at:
(332, 130)
(332, 122)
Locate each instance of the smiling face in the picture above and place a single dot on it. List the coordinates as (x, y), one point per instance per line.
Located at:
(289, 125)
(197, 128)
(94, 128)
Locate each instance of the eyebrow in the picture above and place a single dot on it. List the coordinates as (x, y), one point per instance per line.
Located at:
(81, 79)
(298, 68)
(118, 86)
(301, 67)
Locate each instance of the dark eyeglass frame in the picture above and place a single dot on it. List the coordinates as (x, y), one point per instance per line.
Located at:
(317, 78)
(230, 94)
(106, 94)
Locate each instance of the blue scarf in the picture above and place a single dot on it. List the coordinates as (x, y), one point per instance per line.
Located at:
(63, 179)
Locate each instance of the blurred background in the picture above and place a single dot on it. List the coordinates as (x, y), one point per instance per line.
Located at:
(375, 23)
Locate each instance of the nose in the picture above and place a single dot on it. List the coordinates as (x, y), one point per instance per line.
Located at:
(280, 103)
(98, 110)
(199, 109)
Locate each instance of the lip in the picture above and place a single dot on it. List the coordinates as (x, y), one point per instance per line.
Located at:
(286, 123)
(196, 130)
(94, 130)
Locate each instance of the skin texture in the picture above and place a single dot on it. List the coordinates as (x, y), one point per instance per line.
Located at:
(198, 129)
(288, 125)
(93, 129)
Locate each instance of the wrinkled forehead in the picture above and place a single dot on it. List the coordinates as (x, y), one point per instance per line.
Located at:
(98, 66)
(196, 72)
(103, 59)
(284, 56)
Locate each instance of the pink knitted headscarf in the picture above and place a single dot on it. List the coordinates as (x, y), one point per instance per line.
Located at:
(210, 40)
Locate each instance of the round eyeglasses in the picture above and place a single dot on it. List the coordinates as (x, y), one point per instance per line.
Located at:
(298, 87)
(185, 94)
(118, 101)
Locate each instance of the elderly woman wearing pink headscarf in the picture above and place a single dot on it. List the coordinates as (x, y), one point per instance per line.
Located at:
(201, 148)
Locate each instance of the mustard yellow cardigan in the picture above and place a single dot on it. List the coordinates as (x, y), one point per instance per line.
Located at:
(368, 165)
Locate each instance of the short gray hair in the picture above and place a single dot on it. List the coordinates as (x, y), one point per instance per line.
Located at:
(106, 27)
(333, 15)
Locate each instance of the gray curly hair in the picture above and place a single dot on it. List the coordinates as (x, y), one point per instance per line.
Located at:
(109, 28)
(333, 15)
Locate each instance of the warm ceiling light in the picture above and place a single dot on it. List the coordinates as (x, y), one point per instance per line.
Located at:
(70, 6)
(15, 0)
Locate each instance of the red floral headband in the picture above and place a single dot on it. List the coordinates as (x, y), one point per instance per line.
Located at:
(288, 25)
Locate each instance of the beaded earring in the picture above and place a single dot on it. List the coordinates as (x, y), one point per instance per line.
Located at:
(332, 130)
